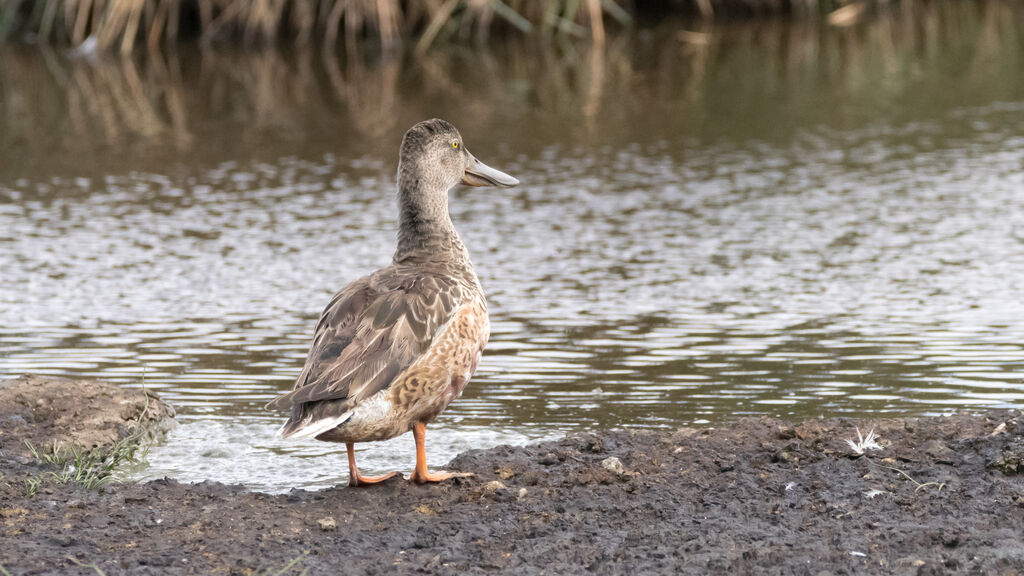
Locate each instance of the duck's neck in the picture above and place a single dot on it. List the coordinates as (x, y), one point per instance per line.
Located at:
(425, 229)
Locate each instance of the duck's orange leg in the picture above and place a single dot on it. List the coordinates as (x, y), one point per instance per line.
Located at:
(421, 475)
(354, 477)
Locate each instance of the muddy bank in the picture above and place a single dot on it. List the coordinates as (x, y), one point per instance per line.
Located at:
(46, 411)
(942, 495)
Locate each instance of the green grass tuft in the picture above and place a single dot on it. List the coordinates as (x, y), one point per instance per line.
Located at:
(289, 568)
(31, 486)
(91, 468)
(80, 564)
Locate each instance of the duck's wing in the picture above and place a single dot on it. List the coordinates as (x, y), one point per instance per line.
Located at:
(371, 331)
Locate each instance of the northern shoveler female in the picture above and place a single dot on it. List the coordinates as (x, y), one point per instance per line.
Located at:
(394, 348)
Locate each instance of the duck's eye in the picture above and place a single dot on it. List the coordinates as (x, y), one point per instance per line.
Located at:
(455, 144)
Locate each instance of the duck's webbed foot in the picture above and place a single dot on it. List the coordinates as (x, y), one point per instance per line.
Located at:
(360, 480)
(420, 475)
(355, 479)
(424, 477)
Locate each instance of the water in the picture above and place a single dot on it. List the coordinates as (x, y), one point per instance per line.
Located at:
(783, 220)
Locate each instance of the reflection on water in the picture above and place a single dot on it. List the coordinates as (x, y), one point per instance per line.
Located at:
(773, 220)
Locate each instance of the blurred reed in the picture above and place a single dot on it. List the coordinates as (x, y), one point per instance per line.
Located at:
(126, 24)
(183, 101)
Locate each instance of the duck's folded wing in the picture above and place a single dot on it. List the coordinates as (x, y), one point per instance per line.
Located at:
(370, 333)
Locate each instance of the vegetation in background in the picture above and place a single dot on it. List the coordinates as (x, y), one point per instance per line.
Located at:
(172, 100)
(124, 24)
(127, 24)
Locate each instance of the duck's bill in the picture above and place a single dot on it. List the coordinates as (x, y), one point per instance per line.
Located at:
(480, 174)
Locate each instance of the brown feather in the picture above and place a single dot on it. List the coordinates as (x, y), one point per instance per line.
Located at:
(371, 331)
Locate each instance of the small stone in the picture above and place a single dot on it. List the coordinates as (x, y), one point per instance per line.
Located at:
(494, 486)
(787, 457)
(786, 432)
(549, 459)
(505, 473)
(326, 524)
(613, 464)
(938, 452)
(522, 493)
(425, 510)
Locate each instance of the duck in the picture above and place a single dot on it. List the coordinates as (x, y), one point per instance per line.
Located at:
(394, 348)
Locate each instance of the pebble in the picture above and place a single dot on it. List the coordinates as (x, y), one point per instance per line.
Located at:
(613, 464)
(327, 524)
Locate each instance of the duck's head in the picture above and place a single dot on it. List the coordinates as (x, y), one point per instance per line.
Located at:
(434, 157)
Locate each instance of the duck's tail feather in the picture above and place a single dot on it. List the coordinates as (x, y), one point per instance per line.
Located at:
(308, 425)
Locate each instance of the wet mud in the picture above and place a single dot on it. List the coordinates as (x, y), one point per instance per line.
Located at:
(47, 412)
(936, 495)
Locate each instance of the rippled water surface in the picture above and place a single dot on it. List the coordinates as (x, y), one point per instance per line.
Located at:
(775, 220)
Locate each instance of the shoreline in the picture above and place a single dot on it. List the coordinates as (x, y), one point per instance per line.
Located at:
(941, 494)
